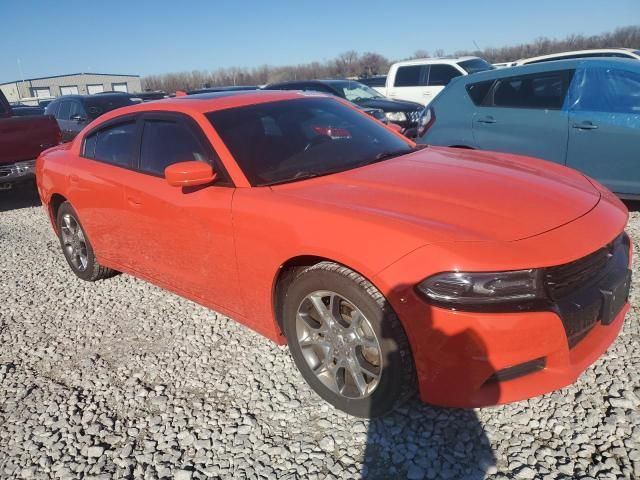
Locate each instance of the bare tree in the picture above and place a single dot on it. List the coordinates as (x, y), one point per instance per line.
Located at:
(373, 64)
(351, 63)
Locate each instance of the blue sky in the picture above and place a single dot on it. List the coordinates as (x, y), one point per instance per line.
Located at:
(67, 36)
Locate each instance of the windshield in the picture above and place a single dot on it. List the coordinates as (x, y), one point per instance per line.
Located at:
(99, 104)
(290, 140)
(475, 65)
(356, 91)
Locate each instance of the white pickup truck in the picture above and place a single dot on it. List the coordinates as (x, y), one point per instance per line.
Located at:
(422, 79)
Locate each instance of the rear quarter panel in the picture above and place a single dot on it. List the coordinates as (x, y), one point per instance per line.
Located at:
(454, 117)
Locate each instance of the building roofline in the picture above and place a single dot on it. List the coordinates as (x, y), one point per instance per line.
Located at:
(71, 75)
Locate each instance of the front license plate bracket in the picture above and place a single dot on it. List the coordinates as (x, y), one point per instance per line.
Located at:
(614, 298)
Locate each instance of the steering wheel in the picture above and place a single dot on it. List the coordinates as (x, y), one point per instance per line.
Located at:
(317, 140)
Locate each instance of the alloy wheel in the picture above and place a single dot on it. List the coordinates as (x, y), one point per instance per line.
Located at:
(74, 242)
(339, 344)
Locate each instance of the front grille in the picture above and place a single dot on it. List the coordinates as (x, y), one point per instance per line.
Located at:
(564, 279)
(414, 115)
(17, 169)
(575, 287)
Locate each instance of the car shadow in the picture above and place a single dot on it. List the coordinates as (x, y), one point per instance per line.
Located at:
(23, 195)
(420, 441)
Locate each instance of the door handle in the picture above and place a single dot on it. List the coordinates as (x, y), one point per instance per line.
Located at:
(487, 120)
(74, 178)
(426, 94)
(585, 126)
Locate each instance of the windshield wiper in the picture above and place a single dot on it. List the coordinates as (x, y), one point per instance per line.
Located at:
(304, 175)
(388, 155)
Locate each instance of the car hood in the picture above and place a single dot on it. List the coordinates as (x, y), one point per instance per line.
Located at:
(390, 105)
(443, 194)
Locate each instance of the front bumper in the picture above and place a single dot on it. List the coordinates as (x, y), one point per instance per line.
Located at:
(17, 172)
(468, 349)
(458, 354)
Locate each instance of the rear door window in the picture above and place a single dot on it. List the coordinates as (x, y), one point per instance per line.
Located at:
(165, 143)
(478, 91)
(64, 110)
(410, 76)
(441, 75)
(546, 90)
(77, 110)
(114, 145)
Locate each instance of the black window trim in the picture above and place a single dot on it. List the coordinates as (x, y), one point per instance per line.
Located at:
(138, 118)
(488, 99)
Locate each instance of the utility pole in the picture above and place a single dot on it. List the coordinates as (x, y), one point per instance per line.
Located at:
(21, 78)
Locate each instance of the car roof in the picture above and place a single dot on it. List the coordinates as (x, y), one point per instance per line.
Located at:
(430, 60)
(209, 102)
(594, 51)
(551, 65)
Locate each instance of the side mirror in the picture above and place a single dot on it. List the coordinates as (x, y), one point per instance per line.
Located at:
(189, 174)
(78, 118)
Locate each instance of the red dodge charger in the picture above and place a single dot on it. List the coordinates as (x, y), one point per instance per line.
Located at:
(476, 278)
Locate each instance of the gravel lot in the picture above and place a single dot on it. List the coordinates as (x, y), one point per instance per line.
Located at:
(120, 379)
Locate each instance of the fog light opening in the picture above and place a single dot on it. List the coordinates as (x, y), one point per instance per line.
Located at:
(519, 370)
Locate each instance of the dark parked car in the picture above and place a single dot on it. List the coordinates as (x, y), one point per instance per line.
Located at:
(375, 81)
(402, 113)
(21, 110)
(374, 112)
(149, 96)
(581, 113)
(74, 112)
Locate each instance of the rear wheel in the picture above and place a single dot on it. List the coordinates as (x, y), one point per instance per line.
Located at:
(76, 246)
(346, 341)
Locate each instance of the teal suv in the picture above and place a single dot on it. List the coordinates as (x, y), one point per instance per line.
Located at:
(581, 113)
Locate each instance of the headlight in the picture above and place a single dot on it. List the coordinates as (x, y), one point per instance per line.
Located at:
(396, 116)
(484, 289)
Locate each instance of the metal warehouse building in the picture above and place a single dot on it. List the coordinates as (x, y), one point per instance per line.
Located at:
(33, 89)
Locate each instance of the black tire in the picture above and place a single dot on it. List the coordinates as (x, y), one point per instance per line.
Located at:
(397, 379)
(93, 270)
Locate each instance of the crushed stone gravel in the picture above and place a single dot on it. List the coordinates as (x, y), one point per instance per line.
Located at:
(120, 379)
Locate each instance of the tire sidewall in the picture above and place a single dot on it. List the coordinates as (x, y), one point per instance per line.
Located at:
(87, 273)
(390, 387)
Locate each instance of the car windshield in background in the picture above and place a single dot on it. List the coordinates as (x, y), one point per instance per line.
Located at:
(475, 65)
(290, 140)
(356, 91)
(99, 104)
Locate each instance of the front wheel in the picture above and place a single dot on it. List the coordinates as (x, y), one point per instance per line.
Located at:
(346, 341)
